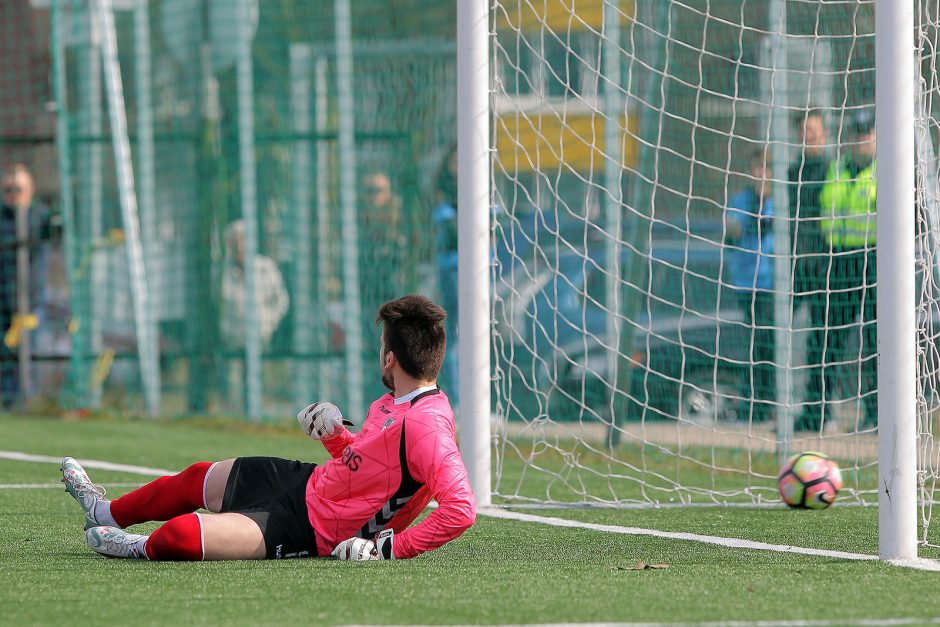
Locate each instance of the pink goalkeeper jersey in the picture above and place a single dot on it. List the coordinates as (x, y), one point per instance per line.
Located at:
(384, 476)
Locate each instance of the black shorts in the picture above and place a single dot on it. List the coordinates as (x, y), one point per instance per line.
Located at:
(272, 492)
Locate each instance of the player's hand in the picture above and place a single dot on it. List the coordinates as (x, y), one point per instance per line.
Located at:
(321, 420)
(355, 550)
(358, 549)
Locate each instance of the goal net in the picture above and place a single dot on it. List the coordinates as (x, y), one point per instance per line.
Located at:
(683, 234)
(684, 265)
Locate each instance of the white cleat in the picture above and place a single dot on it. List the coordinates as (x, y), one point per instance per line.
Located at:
(114, 542)
(82, 489)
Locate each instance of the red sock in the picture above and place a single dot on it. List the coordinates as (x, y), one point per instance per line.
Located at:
(163, 498)
(179, 539)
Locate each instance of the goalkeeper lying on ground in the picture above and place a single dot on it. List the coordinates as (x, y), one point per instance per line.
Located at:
(356, 506)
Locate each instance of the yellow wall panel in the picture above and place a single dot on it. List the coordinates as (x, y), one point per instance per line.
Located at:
(558, 15)
(544, 142)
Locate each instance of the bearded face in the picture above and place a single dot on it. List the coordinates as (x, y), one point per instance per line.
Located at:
(384, 366)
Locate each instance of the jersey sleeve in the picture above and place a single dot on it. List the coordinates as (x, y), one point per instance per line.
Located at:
(434, 460)
(340, 440)
(411, 510)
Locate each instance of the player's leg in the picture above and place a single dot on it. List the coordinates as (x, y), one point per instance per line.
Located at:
(161, 499)
(249, 482)
(870, 343)
(745, 302)
(9, 377)
(271, 520)
(203, 486)
(852, 347)
(88, 495)
(216, 482)
(813, 399)
(765, 392)
(190, 537)
(840, 314)
(232, 536)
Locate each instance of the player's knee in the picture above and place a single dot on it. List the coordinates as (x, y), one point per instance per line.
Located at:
(197, 471)
(194, 477)
(179, 539)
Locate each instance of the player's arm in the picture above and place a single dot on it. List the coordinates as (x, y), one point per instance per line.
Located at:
(434, 460)
(324, 422)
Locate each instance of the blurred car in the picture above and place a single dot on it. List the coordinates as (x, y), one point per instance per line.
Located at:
(681, 340)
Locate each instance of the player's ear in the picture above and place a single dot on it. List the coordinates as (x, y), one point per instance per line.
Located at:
(390, 359)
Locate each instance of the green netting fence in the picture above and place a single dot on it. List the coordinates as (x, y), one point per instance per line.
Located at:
(235, 117)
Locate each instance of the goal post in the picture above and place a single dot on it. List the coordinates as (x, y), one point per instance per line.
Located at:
(473, 158)
(897, 371)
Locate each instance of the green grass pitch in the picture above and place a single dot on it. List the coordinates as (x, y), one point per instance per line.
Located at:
(498, 572)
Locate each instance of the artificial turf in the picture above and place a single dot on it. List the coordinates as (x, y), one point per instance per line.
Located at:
(498, 572)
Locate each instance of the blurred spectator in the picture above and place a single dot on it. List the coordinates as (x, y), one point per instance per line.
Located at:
(383, 245)
(444, 217)
(273, 300)
(749, 228)
(848, 225)
(807, 174)
(23, 227)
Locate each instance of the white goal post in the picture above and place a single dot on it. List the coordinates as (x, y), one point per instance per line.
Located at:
(897, 369)
(473, 279)
(622, 166)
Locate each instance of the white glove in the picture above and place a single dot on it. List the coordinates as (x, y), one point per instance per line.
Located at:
(320, 420)
(355, 549)
(358, 549)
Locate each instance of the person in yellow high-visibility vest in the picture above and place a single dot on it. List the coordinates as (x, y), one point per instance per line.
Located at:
(847, 222)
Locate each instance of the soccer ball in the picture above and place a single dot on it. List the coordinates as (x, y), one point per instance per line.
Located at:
(809, 480)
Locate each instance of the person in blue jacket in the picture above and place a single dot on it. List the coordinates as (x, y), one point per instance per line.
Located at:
(750, 240)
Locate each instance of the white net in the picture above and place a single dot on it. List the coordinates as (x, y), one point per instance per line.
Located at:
(927, 225)
(684, 269)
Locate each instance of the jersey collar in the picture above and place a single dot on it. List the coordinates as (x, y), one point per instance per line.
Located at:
(410, 396)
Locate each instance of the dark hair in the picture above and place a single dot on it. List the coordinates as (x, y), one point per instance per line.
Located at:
(415, 332)
(799, 119)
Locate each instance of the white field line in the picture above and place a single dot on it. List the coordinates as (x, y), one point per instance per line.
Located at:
(556, 505)
(87, 463)
(734, 543)
(864, 622)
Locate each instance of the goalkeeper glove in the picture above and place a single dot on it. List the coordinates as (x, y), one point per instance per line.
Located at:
(320, 420)
(357, 549)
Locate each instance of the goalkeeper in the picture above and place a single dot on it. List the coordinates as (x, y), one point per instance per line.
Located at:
(356, 506)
